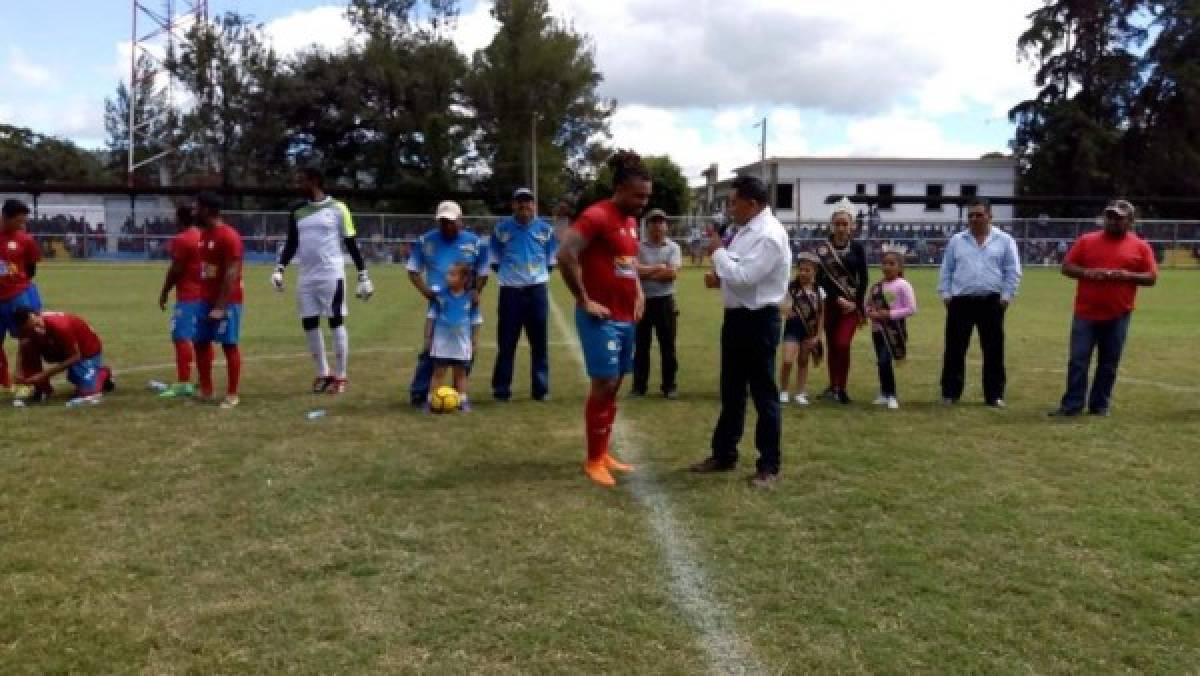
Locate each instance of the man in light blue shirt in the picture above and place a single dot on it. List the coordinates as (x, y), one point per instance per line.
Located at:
(981, 270)
(522, 250)
(432, 256)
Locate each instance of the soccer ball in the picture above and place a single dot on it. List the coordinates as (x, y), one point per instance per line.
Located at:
(444, 400)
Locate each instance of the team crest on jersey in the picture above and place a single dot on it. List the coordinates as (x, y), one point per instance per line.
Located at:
(211, 244)
(12, 246)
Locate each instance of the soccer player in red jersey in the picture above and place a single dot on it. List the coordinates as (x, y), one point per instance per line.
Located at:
(184, 277)
(220, 296)
(598, 258)
(19, 256)
(67, 342)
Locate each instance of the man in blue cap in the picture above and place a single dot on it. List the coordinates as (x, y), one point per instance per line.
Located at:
(522, 252)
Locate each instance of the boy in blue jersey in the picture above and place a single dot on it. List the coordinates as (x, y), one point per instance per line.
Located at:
(452, 331)
(432, 257)
(521, 250)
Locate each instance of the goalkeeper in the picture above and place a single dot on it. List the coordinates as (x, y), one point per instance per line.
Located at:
(317, 230)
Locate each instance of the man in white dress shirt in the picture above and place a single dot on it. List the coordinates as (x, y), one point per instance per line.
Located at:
(752, 271)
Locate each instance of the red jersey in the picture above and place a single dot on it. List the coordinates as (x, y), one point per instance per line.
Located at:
(1105, 300)
(220, 247)
(64, 333)
(185, 250)
(609, 262)
(17, 252)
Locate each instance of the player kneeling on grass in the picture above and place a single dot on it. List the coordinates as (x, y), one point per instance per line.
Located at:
(70, 345)
(317, 231)
(452, 331)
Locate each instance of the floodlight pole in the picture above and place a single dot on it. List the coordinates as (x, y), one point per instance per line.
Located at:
(533, 158)
(762, 148)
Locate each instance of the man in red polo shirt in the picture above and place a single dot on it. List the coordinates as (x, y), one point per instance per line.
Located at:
(1110, 265)
(598, 260)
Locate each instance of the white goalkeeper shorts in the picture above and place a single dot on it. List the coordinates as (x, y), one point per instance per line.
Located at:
(322, 298)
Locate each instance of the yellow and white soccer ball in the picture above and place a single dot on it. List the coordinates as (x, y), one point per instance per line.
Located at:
(444, 400)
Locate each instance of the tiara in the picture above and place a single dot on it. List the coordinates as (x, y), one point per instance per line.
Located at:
(901, 249)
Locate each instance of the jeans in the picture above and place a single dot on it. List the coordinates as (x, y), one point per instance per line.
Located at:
(1107, 338)
(883, 359)
(522, 308)
(659, 319)
(963, 315)
(749, 340)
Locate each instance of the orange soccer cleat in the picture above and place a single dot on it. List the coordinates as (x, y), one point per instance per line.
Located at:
(616, 465)
(597, 472)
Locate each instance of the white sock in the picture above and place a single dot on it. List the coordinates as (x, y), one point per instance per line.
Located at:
(316, 347)
(341, 349)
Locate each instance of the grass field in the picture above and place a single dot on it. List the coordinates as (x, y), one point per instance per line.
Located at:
(143, 536)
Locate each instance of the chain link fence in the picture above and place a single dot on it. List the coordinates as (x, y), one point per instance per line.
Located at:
(388, 238)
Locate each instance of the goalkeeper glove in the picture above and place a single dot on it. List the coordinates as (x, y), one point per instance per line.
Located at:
(365, 288)
(277, 278)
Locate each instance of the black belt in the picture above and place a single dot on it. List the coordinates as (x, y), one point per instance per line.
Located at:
(749, 312)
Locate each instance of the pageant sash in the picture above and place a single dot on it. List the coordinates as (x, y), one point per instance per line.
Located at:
(895, 331)
(835, 268)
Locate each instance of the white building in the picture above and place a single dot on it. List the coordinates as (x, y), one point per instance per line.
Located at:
(800, 185)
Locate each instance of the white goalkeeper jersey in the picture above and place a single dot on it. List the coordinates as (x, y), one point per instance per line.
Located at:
(320, 228)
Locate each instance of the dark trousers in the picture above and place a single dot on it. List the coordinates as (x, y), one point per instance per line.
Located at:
(884, 361)
(522, 308)
(1107, 338)
(749, 339)
(659, 319)
(964, 314)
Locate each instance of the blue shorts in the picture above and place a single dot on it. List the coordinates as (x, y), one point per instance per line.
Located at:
(226, 331)
(85, 374)
(607, 345)
(185, 320)
(29, 298)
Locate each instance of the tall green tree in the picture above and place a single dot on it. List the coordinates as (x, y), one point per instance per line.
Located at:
(534, 86)
(1067, 135)
(1162, 144)
(670, 190)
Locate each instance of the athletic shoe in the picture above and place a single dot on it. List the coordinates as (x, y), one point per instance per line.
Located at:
(801, 399)
(597, 472)
(997, 403)
(616, 465)
(85, 400)
(230, 401)
(177, 391)
(784, 398)
(321, 384)
(35, 396)
(337, 386)
(892, 403)
(107, 384)
(881, 400)
(763, 481)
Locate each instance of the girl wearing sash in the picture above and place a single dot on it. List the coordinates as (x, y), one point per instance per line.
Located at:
(802, 312)
(843, 278)
(889, 304)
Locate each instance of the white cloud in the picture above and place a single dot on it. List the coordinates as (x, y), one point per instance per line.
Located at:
(901, 134)
(78, 118)
(475, 29)
(325, 26)
(27, 72)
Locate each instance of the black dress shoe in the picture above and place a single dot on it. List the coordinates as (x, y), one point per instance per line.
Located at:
(842, 397)
(1064, 413)
(711, 465)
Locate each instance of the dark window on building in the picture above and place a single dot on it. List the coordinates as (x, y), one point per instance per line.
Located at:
(885, 192)
(968, 190)
(933, 192)
(783, 196)
(860, 189)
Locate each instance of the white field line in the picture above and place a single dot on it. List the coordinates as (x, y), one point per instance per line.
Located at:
(690, 585)
(1130, 380)
(144, 368)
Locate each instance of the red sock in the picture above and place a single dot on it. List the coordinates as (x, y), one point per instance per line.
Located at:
(610, 417)
(183, 361)
(204, 362)
(233, 365)
(5, 378)
(597, 423)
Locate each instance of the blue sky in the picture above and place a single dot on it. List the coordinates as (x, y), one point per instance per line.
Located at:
(929, 78)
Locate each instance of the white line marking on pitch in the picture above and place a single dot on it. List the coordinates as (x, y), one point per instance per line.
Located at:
(727, 653)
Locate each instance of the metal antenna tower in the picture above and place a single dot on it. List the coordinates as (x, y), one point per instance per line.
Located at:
(157, 25)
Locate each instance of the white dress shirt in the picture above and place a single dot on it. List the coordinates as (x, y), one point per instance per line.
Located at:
(755, 267)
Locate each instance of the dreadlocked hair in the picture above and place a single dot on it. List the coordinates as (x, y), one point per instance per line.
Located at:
(626, 165)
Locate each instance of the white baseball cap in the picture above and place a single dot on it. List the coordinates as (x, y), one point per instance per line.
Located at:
(449, 211)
